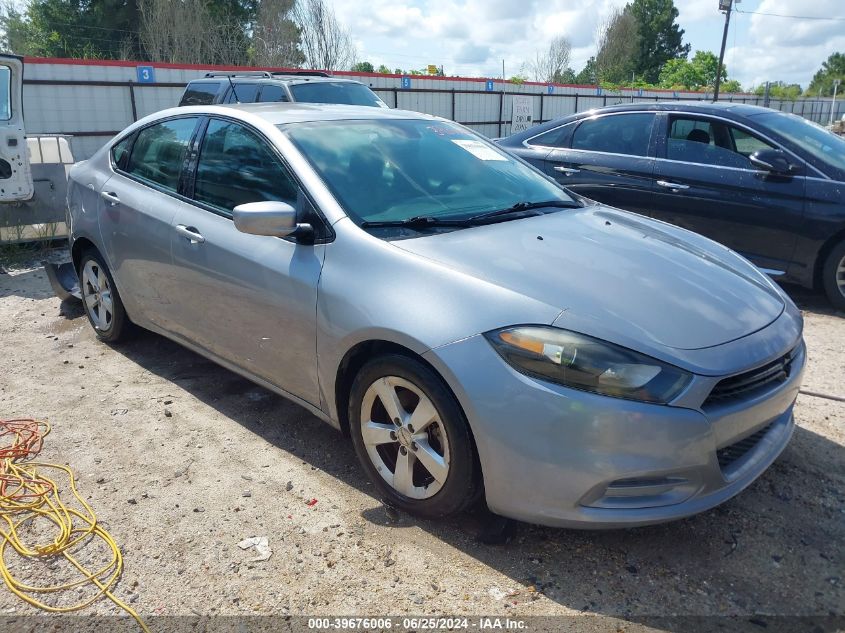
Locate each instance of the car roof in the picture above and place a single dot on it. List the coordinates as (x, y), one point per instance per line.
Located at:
(720, 107)
(725, 109)
(281, 113)
(276, 79)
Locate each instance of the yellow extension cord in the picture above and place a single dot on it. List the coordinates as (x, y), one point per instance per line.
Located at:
(26, 495)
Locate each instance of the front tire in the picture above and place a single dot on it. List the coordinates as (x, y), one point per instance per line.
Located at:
(411, 437)
(101, 300)
(833, 276)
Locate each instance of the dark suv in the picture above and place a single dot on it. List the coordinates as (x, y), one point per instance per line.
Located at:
(767, 184)
(262, 86)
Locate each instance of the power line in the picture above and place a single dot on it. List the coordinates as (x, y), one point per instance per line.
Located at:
(794, 17)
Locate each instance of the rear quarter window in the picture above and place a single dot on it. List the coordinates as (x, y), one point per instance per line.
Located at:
(615, 133)
(198, 93)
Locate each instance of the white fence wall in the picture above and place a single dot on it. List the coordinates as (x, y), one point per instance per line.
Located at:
(92, 101)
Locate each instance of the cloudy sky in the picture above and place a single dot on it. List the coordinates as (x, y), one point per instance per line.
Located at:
(472, 37)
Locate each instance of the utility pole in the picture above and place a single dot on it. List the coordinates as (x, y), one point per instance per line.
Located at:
(833, 102)
(727, 7)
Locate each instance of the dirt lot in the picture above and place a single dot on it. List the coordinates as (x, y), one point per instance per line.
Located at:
(182, 459)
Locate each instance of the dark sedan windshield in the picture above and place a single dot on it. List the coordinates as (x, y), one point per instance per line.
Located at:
(815, 140)
(393, 170)
(343, 92)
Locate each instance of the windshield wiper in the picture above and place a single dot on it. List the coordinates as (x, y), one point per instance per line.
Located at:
(519, 207)
(425, 221)
(416, 222)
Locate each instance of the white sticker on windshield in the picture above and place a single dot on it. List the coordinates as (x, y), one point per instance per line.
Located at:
(478, 149)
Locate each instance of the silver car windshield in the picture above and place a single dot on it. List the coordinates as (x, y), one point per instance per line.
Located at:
(813, 139)
(393, 170)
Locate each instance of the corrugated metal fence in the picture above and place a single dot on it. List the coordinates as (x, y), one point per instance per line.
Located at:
(93, 100)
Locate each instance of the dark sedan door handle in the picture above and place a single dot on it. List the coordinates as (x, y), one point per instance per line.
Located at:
(566, 170)
(190, 233)
(674, 186)
(110, 197)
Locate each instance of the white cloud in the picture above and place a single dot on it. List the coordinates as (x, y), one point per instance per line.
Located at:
(473, 36)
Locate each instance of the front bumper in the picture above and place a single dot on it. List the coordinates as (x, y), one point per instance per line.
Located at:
(558, 456)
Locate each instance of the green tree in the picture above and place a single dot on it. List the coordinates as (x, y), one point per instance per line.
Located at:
(108, 29)
(695, 74)
(832, 68)
(660, 39)
(780, 90)
(587, 76)
(731, 86)
(363, 67)
(74, 28)
(618, 46)
(384, 70)
(565, 76)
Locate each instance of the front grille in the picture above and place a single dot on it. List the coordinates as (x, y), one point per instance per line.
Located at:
(729, 454)
(745, 384)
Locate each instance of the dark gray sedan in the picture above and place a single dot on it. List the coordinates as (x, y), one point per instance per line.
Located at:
(769, 185)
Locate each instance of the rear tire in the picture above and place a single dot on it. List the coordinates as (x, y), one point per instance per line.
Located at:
(101, 301)
(833, 276)
(416, 448)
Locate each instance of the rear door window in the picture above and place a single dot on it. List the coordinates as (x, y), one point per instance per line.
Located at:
(617, 134)
(5, 93)
(158, 154)
(242, 93)
(236, 166)
(271, 93)
(200, 93)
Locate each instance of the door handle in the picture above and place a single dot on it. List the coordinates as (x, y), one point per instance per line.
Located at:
(110, 197)
(190, 233)
(566, 170)
(674, 186)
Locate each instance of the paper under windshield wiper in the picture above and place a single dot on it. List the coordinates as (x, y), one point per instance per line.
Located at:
(418, 221)
(527, 206)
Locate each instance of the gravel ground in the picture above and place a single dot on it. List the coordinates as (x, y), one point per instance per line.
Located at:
(182, 459)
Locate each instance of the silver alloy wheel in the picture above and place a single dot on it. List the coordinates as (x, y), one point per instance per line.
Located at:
(96, 292)
(404, 437)
(840, 276)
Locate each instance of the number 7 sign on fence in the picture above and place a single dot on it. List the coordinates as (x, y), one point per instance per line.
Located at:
(523, 113)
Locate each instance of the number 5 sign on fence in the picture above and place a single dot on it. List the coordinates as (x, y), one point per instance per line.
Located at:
(523, 113)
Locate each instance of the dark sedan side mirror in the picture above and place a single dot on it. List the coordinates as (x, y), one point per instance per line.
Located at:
(771, 160)
(277, 219)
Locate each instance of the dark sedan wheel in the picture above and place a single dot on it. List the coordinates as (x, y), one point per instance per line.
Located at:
(411, 437)
(101, 299)
(833, 276)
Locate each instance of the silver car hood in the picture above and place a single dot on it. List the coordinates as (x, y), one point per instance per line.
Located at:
(616, 275)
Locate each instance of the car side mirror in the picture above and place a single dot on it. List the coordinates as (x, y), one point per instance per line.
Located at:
(277, 219)
(771, 160)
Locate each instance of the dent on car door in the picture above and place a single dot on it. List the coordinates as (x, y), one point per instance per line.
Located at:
(138, 204)
(608, 159)
(248, 299)
(706, 183)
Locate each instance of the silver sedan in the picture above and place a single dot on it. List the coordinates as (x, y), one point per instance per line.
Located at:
(477, 330)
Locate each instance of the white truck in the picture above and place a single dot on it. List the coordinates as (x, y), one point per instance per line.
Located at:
(33, 177)
(33, 170)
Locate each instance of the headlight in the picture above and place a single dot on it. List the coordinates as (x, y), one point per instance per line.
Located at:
(582, 362)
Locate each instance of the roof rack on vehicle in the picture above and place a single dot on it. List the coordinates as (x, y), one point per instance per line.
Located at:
(240, 73)
(302, 73)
